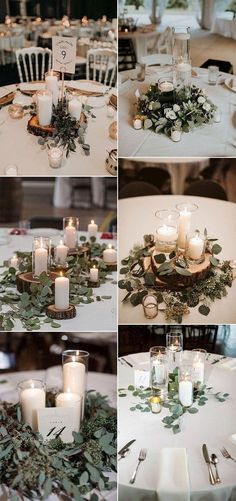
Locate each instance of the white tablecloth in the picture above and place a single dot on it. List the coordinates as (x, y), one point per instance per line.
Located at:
(142, 41)
(215, 140)
(103, 383)
(137, 218)
(224, 27)
(89, 317)
(31, 160)
(213, 425)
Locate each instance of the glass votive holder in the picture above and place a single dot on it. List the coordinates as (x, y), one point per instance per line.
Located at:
(150, 306)
(185, 386)
(52, 79)
(70, 231)
(158, 369)
(55, 156)
(11, 170)
(185, 210)
(16, 111)
(183, 73)
(174, 345)
(75, 107)
(74, 402)
(167, 231)
(196, 247)
(14, 262)
(213, 74)
(198, 368)
(165, 85)
(32, 396)
(75, 370)
(140, 68)
(44, 107)
(41, 256)
(60, 254)
(156, 403)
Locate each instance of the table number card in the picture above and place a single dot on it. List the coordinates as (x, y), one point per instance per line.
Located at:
(63, 54)
(141, 378)
(58, 422)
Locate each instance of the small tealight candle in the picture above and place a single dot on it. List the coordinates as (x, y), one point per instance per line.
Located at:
(195, 247)
(14, 262)
(92, 229)
(62, 293)
(93, 274)
(217, 116)
(137, 123)
(55, 156)
(60, 253)
(75, 108)
(110, 112)
(167, 233)
(176, 135)
(109, 255)
(166, 87)
(156, 404)
(11, 170)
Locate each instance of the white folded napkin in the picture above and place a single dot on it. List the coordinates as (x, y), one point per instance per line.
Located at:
(229, 364)
(172, 475)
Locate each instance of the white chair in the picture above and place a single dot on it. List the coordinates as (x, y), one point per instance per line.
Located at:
(163, 43)
(33, 62)
(102, 66)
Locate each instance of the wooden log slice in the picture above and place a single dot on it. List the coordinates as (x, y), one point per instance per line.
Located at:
(199, 272)
(24, 281)
(94, 285)
(52, 312)
(35, 128)
(111, 266)
(83, 250)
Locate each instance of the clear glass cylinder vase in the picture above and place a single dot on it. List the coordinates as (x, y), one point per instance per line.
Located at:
(158, 370)
(181, 43)
(41, 256)
(75, 370)
(70, 231)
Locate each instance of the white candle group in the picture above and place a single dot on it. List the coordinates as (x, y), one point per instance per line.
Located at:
(186, 392)
(109, 255)
(52, 84)
(44, 106)
(184, 225)
(60, 253)
(70, 236)
(167, 233)
(32, 399)
(93, 274)
(92, 229)
(62, 293)
(195, 247)
(75, 108)
(40, 261)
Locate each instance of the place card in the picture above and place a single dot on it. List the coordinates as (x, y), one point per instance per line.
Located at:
(64, 54)
(57, 422)
(141, 378)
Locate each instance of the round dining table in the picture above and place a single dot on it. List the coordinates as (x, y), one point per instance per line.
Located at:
(102, 383)
(212, 140)
(174, 468)
(137, 218)
(32, 160)
(88, 316)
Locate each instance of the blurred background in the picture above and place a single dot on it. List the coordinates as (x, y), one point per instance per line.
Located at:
(219, 339)
(42, 202)
(206, 177)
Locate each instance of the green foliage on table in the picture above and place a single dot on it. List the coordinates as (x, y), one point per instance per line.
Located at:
(172, 402)
(179, 112)
(32, 468)
(174, 304)
(177, 4)
(29, 308)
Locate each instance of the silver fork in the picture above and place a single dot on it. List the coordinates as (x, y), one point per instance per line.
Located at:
(226, 454)
(142, 456)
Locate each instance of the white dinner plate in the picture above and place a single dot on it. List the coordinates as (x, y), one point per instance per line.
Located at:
(86, 86)
(31, 86)
(4, 91)
(44, 232)
(231, 84)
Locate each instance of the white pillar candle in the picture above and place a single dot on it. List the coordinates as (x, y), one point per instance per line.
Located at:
(110, 112)
(14, 262)
(167, 233)
(138, 124)
(184, 225)
(75, 108)
(195, 247)
(62, 293)
(186, 393)
(71, 400)
(166, 87)
(32, 399)
(41, 261)
(92, 229)
(70, 236)
(109, 255)
(159, 368)
(52, 84)
(60, 253)
(44, 104)
(198, 372)
(184, 71)
(55, 156)
(93, 274)
(74, 378)
(176, 135)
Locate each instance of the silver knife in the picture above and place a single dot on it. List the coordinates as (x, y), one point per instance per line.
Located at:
(207, 459)
(126, 446)
(218, 360)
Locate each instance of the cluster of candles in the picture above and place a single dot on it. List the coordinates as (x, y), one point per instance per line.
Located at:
(41, 258)
(32, 392)
(191, 368)
(174, 230)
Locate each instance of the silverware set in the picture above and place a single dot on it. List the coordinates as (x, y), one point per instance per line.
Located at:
(213, 460)
(216, 360)
(142, 456)
(123, 361)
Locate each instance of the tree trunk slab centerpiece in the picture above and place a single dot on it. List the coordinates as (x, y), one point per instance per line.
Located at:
(194, 274)
(24, 281)
(53, 312)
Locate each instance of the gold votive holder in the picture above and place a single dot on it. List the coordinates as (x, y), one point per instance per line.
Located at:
(155, 404)
(150, 306)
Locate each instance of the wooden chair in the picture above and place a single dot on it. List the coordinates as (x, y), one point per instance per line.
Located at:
(32, 63)
(206, 188)
(138, 189)
(126, 54)
(102, 66)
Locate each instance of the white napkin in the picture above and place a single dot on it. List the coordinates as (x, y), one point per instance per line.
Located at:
(172, 475)
(229, 364)
(140, 360)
